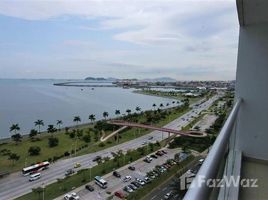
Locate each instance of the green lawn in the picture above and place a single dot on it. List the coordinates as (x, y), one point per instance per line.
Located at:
(67, 144)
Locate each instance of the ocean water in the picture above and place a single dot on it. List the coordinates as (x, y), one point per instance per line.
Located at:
(25, 101)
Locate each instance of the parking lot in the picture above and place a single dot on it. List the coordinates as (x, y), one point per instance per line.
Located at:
(117, 184)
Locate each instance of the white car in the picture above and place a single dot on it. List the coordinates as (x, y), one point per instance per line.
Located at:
(67, 196)
(35, 176)
(127, 178)
(72, 196)
(167, 195)
(75, 196)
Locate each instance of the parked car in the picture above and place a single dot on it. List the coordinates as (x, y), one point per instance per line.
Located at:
(76, 165)
(131, 168)
(119, 194)
(133, 187)
(72, 196)
(67, 197)
(164, 152)
(146, 179)
(128, 189)
(116, 174)
(127, 178)
(153, 156)
(69, 172)
(146, 160)
(90, 188)
(159, 153)
(136, 184)
(141, 182)
(75, 196)
(96, 158)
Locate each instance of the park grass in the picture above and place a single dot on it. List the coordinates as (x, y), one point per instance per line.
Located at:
(66, 144)
(85, 175)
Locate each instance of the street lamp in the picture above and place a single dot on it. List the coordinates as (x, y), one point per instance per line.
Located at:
(43, 186)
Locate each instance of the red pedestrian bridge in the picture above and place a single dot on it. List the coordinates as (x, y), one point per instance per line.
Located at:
(163, 129)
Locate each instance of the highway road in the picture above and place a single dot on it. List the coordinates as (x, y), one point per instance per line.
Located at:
(117, 184)
(160, 192)
(16, 185)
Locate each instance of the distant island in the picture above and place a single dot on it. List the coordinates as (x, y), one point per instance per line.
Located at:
(95, 79)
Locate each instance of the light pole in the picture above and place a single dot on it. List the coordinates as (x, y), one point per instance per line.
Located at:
(43, 186)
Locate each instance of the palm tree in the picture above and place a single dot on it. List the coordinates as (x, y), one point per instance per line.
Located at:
(138, 109)
(59, 123)
(154, 105)
(105, 114)
(92, 118)
(77, 119)
(117, 112)
(39, 123)
(51, 129)
(128, 111)
(15, 128)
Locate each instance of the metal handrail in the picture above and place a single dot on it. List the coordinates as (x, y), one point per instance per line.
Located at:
(209, 169)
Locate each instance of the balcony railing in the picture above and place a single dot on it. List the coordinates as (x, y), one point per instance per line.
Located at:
(210, 168)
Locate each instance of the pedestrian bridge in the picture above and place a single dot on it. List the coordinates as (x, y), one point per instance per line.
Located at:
(163, 129)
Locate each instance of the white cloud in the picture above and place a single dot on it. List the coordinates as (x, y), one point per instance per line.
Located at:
(175, 33)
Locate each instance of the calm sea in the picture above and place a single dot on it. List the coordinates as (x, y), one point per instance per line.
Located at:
(25, 101)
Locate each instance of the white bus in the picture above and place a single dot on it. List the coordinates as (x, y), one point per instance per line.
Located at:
(101, 182)
(35, 168)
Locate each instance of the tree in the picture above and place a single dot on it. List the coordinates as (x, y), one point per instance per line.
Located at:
(117, 112)
(53, 141)
(128, 111)
(16, 137)
(105, 114)
(92, 118)
(14, 157)
(59, 123)
(87, 138)
(51, 129)
(14, 128)
(32, 134)
(77, 119)
(138, 109)
(39, 123)
(34, 150)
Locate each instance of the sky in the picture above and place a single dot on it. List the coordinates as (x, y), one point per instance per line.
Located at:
(181, 39)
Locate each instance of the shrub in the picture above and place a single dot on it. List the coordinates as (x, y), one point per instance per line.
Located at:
(101, 144)
(53, 141)
(34, 150)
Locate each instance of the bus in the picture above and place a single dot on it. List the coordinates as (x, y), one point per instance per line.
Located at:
(35, 168)
(101, 182)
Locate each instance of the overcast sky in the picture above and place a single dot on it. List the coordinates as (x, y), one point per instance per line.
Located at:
(182, 39)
